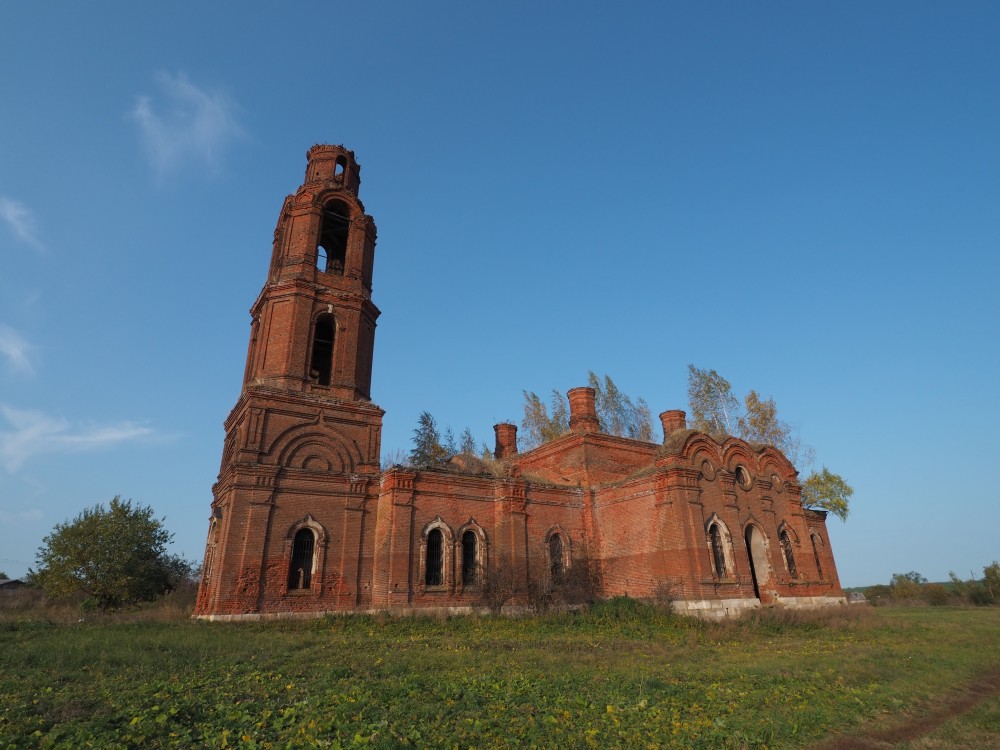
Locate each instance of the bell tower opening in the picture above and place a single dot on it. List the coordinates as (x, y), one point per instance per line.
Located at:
(321, 365)
(331, 252)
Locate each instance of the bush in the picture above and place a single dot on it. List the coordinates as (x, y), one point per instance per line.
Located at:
(936, 595)
(110, 557)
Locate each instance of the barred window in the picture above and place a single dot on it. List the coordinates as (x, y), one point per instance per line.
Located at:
(433, 575)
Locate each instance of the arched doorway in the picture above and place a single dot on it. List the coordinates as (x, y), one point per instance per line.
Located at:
(760, 570)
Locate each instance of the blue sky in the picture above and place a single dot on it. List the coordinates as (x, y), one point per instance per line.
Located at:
(803, 197)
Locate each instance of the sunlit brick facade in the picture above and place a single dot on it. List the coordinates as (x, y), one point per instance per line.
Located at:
(304, 521)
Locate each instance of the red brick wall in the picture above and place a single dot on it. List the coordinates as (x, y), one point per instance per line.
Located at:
(299, 454)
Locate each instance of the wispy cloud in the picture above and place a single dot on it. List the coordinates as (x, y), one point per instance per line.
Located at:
(15, 350)
(32, 433)
(21, 221)
(27, 514)
(190, 124)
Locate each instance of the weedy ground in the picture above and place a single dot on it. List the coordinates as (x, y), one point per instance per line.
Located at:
(620, 674)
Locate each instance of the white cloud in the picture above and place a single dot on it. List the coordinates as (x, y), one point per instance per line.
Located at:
(32, 433)
(192, 124)
(21, 221)
(16, 350)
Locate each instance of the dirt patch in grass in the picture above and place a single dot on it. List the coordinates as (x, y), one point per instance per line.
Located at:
(915, 727)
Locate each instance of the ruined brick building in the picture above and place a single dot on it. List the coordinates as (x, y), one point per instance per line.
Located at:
(304, 520)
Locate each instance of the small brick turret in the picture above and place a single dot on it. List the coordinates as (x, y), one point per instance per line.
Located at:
(582, 410)
(673, 420)
(334, 164)
(506, 440)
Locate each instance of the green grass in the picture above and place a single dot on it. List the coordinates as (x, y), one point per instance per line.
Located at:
(619, 675)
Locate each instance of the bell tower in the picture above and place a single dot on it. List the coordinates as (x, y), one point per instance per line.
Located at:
(313, 327)
(300, 462)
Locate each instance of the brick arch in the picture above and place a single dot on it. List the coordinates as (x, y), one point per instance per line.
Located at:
(771, 460)
(702, 453)
(307, 522)
(470, 525)
(700, 446)
(438, 523)
(321, 197)
(787, 527)
(735, 452)
(752, 520)
(316, 447)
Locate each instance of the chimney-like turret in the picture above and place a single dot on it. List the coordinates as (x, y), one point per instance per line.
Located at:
(333, 164)
(506, 440)
(582, 411)
(673, 420)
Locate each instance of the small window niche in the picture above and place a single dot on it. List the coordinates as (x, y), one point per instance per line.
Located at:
(321, 362)
(331, 253)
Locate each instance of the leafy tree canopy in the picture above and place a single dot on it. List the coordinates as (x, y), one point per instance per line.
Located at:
(115, 555)
(712, 407)
(617, 413)
(827, 491)
(538, 425)
(467, 443)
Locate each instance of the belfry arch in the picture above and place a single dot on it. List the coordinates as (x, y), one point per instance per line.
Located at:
(335, 229)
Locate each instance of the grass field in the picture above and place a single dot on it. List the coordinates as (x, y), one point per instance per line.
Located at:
(619, 675)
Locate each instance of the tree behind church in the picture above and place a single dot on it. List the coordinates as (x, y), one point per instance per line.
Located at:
(114, 556)
(715, 410)
(428, 450)
(617, 413)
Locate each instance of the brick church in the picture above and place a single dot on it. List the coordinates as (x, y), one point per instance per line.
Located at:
(304, 520)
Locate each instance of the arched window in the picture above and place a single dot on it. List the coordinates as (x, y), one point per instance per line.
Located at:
(433, 575)
(338, 171)
(470, 561)
(321, 362)
(557, 565)
(300, 571)
(336, 225)
(816, 544)
(786, 548)
(718, 551)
